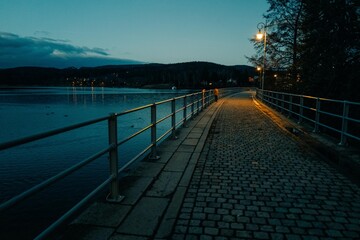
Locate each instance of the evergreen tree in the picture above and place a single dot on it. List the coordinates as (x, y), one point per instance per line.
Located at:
(330, 54)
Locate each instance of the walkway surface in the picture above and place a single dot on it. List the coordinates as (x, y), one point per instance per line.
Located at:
(232, 174)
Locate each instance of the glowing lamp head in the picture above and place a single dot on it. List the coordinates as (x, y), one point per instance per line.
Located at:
(258, 68)
(259, 35)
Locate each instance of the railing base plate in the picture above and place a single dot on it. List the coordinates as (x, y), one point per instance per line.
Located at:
(116, 199)
(155, 157)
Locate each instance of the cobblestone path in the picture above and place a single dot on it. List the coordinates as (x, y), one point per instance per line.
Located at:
(253, 181)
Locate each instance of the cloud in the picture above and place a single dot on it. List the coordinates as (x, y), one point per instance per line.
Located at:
(18, 51)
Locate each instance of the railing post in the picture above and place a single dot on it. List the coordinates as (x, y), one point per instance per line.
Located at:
(173, 119)
(114, 195)
(277, 101)
(301, 109)
(290, 105)
(203, 99)
(344, 125)
(153, 154)
(208, 98)
(264, 96)
(282, 102)
(198, 103)
(317, 115)
(192, 105)
(184, 112)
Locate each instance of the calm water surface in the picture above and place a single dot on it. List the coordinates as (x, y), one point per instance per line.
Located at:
(27, 111)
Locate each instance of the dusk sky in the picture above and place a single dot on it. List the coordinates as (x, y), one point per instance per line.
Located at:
(99, 32)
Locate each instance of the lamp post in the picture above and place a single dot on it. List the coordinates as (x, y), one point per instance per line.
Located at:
(259, 36)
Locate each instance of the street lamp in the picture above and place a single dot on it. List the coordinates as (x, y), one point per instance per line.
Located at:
(259, 36)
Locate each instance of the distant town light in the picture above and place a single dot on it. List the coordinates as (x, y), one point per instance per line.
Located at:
(258, 68)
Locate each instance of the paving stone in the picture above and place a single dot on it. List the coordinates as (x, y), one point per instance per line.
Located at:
(304, 224)
(165, 185)
(87, 232)
(333, 233)
(190, 237)
(190, 141)
(282, 229)
(299, 231)
(195, 230)
(229, 218)
(244, 234)
(133, 187)
(261, 235)
(103, 214)
(266, 228)
(227, 232)
(127, 237)
(199, 216)
(206, 237)
(293, 237)
(178, 162)
(252, 227)
(146, 213)
(316, 232)
(258, 220)
(208, 223)
(186, 148)
(195, 134)
(308, 237)
(351, 234)
(211, 231)
(147, 169)
(214, 217)
(289, 223)
(277, 236)
(352, 227)
(180, 229)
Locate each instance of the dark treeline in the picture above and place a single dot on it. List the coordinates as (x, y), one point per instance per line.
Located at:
(181, 75)
(312, 48)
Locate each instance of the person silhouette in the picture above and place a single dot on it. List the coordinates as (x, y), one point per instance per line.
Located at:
(216, 94)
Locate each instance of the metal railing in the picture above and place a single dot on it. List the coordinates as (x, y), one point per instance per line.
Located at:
(339, 117)
(191, 104)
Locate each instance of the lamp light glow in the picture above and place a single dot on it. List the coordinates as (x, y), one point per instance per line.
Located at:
(259, 36)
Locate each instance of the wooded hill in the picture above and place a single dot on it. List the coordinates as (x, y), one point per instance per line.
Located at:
(180, 75)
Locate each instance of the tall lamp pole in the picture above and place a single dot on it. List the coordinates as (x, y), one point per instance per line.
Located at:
(262, 35)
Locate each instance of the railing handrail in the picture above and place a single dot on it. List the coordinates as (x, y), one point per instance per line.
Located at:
(201, 100)
(50, 133)
(272, 98)
(312, 97)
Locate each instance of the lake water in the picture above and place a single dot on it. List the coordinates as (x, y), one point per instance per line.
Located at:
(27, 111)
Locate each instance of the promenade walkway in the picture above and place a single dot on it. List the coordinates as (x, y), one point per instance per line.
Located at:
(232, 174)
